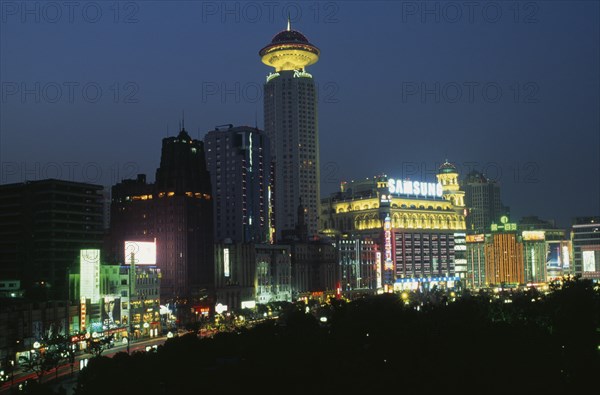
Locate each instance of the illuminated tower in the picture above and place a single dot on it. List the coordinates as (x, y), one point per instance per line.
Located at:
(290, 102)
(448, 177)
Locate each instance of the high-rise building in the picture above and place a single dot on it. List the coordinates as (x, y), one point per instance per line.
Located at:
(585, 237)
(290, 106)
(176, 211)
(504, 262)
(414, 222)
(534, 256)
(43, 225)
(476, 260)
(482, 199)
(239, 163)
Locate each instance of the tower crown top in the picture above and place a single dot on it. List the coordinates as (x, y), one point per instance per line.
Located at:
(289, 50)
(447, 167)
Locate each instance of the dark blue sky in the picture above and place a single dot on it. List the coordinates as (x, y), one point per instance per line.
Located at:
(509, 88)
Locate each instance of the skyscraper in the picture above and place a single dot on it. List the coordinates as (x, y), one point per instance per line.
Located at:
(44, 225)
(239, 163)
(176, 211)
(482, 199)
(290, 105)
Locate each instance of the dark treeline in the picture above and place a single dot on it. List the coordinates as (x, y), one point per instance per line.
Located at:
(477, 344)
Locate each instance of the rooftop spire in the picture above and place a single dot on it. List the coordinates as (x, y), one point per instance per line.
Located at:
(289, 25)
(182, 120)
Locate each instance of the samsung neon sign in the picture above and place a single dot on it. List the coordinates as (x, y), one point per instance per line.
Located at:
(417, 188)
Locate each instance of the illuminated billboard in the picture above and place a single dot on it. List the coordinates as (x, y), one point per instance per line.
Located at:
(226, 262)
(589, 261)
(553, 258)
(111, 311)
(475, 238)
(415, 188)
(388, 243)
(143, 252)
(89, 277)
(534, 235)
(378, 268)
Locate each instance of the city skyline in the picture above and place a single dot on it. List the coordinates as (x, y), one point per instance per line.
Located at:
(410, 131)
(189, 188)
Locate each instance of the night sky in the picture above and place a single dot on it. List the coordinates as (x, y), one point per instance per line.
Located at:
(517, 92)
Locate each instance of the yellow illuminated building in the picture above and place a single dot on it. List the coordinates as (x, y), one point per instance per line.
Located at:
(363, 205)
(504, 259)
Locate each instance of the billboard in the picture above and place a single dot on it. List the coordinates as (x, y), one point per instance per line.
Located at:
(589, 261)
(226, 262)
(475, 238)
(111, 311)
(534, 235)
(89, 277)
(144, 252)
(553, 256)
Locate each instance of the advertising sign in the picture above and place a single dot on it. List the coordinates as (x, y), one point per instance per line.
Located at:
(111, 311)
(475, 238)
(144, 252)
(534, 235)
(589, 261)
(415, 188)
(226, 262)
(89, 281)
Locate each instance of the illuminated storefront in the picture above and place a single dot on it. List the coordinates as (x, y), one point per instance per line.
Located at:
(109, 304)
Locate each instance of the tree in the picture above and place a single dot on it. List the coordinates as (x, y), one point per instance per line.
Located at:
(97, 346)
(52, 351)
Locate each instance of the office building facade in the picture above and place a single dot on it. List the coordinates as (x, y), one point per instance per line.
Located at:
(585, 238)
(482, 199)
(238, 159)
(43, 225)
(177, 212)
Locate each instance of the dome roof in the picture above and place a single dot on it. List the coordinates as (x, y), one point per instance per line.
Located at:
(289, 36)
(447, 167)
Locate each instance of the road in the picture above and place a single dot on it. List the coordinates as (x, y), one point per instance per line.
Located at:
(72, 369)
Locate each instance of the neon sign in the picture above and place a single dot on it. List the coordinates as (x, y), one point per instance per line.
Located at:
(378, 268)
(387, 228)
(504, 226)
(271, 76)
(301, 74)
(417, 188)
